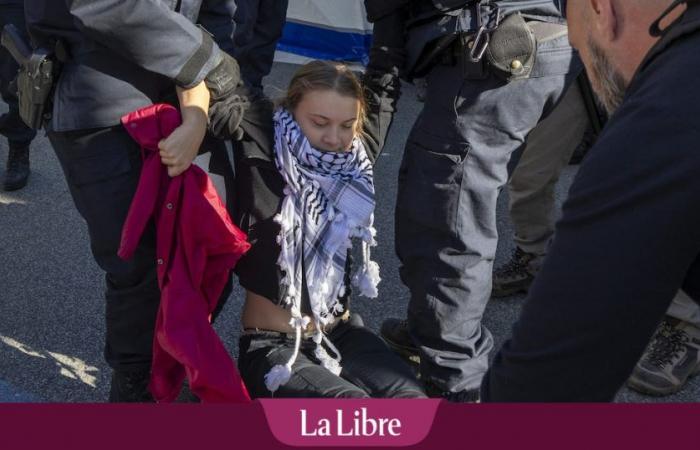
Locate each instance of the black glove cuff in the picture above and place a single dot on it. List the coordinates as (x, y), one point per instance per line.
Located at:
(191, 71)
(224, 78)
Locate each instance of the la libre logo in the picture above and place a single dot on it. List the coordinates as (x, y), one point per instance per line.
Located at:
(357, 424)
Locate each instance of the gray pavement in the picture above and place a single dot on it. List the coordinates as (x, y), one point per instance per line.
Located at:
(51, 291)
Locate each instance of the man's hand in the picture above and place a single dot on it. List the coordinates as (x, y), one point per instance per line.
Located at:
(178, 150)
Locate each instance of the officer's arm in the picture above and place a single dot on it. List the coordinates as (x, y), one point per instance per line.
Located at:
(381, 79)
(630, 231)
(382, 92)
(377, 9)
(150, 35)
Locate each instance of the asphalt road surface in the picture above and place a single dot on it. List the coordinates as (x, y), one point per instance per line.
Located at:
(51, 290)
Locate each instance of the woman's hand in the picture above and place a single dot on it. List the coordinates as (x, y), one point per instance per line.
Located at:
(178, 150)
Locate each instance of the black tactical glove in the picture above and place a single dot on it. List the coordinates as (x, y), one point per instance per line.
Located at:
(224, 78)
(229, 99)
(226, 114)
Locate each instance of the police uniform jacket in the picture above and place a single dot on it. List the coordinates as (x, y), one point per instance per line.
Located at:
(122, 55)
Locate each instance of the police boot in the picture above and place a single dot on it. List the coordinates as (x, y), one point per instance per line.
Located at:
(515, 276)
(17, 168)
(130, 387)
(395, 334)
(466, 396)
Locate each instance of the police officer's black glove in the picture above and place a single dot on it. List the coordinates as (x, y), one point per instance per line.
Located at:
(224, 78)
(228, 98)
(388, 39)
(226, 114)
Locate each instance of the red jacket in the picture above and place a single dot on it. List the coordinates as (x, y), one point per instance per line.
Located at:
(197, 245)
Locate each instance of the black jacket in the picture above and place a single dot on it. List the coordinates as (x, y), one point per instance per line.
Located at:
(431, 19)
(628, 240)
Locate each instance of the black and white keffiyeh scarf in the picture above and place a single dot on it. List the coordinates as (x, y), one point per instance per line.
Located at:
(329, 199)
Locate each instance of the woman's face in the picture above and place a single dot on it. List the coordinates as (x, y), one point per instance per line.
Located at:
(328, 119)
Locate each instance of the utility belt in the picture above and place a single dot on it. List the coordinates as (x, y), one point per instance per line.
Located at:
(38, 72)
(511, 52)
(503, 46)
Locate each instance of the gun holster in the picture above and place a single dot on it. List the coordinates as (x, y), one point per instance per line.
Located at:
(35, 81)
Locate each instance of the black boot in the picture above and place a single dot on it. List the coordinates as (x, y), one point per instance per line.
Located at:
(17, 168)
(515, 276)
(130, 387)
(467, 396)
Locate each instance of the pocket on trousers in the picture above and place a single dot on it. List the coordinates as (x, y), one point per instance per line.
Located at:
(433, 179)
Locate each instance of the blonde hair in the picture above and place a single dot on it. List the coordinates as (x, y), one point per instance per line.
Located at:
(325, 75)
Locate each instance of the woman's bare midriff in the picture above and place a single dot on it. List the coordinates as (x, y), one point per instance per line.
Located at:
(261, 313)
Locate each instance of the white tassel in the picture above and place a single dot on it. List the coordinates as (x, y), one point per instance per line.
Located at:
(331, 364)
(277, 376)
(326, 361)
(338, 308)
(333, 348)
(280, 374)
(367, 277)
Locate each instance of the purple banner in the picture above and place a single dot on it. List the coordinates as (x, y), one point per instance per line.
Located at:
(421, 424)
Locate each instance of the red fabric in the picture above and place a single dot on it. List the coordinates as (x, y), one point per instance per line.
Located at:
(197, 246)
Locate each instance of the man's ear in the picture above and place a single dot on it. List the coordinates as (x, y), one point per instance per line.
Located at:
(605, 17)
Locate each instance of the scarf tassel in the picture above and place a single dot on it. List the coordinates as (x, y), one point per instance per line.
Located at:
(367, 276)
(280, 374)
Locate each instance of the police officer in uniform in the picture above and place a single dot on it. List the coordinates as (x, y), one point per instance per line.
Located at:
(119, 56)
(18, 134)
(494, 69)
(629, 237)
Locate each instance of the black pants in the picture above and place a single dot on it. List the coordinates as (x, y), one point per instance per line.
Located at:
(370, 368)
(18, 134)
(102, 169)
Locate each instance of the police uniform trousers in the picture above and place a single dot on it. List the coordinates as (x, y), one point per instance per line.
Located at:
(454, 164)
(102, 168)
